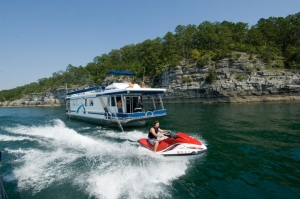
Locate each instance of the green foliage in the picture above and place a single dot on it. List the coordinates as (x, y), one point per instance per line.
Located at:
(202, 62)
(195, 54)
(278, 63)
(295, 66)
(240, 77)
(258, 68)
(231, 56)
(186, 79)
(221, 54)
(206, 59)
(293, 56)
(250, 68)
(207, 35)
(270, 38)
(212, 75)
(269, 52)
(175, 61)
(251, 57)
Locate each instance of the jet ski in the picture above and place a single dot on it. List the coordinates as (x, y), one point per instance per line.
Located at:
(176, 145)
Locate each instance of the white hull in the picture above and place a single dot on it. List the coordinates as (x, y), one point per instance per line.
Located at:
(184, 151)
(99, 105)
(108, 122)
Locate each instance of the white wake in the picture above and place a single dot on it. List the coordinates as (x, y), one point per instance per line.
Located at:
(95, 163)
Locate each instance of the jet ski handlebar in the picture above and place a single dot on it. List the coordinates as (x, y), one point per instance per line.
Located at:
(170, 135)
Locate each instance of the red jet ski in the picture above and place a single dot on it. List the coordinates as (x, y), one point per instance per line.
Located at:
(176, 145)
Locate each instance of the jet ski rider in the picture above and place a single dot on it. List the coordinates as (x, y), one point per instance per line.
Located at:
(153, 134)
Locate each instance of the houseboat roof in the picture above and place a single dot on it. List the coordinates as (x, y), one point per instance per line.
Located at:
(117, 72)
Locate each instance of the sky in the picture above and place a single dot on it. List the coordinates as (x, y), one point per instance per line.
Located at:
(38, 38)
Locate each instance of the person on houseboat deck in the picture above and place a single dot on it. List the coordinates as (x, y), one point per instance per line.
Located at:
(144, 85)
(139, 106)
(131, 84)
(125, 79)
(153, 134)
(119, 105)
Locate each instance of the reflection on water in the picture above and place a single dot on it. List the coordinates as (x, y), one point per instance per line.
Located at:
(253, 147)
(253, 152)
(99, 166)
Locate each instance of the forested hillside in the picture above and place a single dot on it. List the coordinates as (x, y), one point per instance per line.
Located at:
(276, 40)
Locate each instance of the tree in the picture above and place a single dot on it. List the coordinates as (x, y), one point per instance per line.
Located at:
(149, 53)
(207, 37)
(283, 31)
(224, 35)
(180, 37)
(190, 42)
(255, 37)
(195, 54)
(169, 48)
(268, 29)
(239, 32)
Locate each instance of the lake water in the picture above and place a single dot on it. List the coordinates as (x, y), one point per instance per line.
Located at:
(253, 152)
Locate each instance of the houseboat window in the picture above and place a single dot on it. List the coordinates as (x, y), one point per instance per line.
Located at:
(108, 101)
(128, 104)
(137, 104)
(85, 102)
(112, 99)
(158, 102)
(132, 104)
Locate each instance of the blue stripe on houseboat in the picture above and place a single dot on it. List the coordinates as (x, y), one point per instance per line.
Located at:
(159, 112)
(96, 113)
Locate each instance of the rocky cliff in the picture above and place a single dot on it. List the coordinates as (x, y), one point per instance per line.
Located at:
(238, 80)
(49, 98)
(242, 80)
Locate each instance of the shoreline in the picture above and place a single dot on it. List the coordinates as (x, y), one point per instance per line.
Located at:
(235, 99)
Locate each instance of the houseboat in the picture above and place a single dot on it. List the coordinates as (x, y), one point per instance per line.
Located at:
(118, 103)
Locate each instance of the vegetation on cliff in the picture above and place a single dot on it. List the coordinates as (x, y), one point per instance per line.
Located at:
(276, 40)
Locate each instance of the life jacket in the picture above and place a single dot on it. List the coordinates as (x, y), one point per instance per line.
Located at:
(150, 135)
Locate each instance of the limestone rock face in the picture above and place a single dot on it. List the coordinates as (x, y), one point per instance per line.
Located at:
(237, 81)
(49, 98)
(242, 80)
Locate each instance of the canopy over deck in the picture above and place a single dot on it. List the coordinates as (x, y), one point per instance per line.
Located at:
(117, 72)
